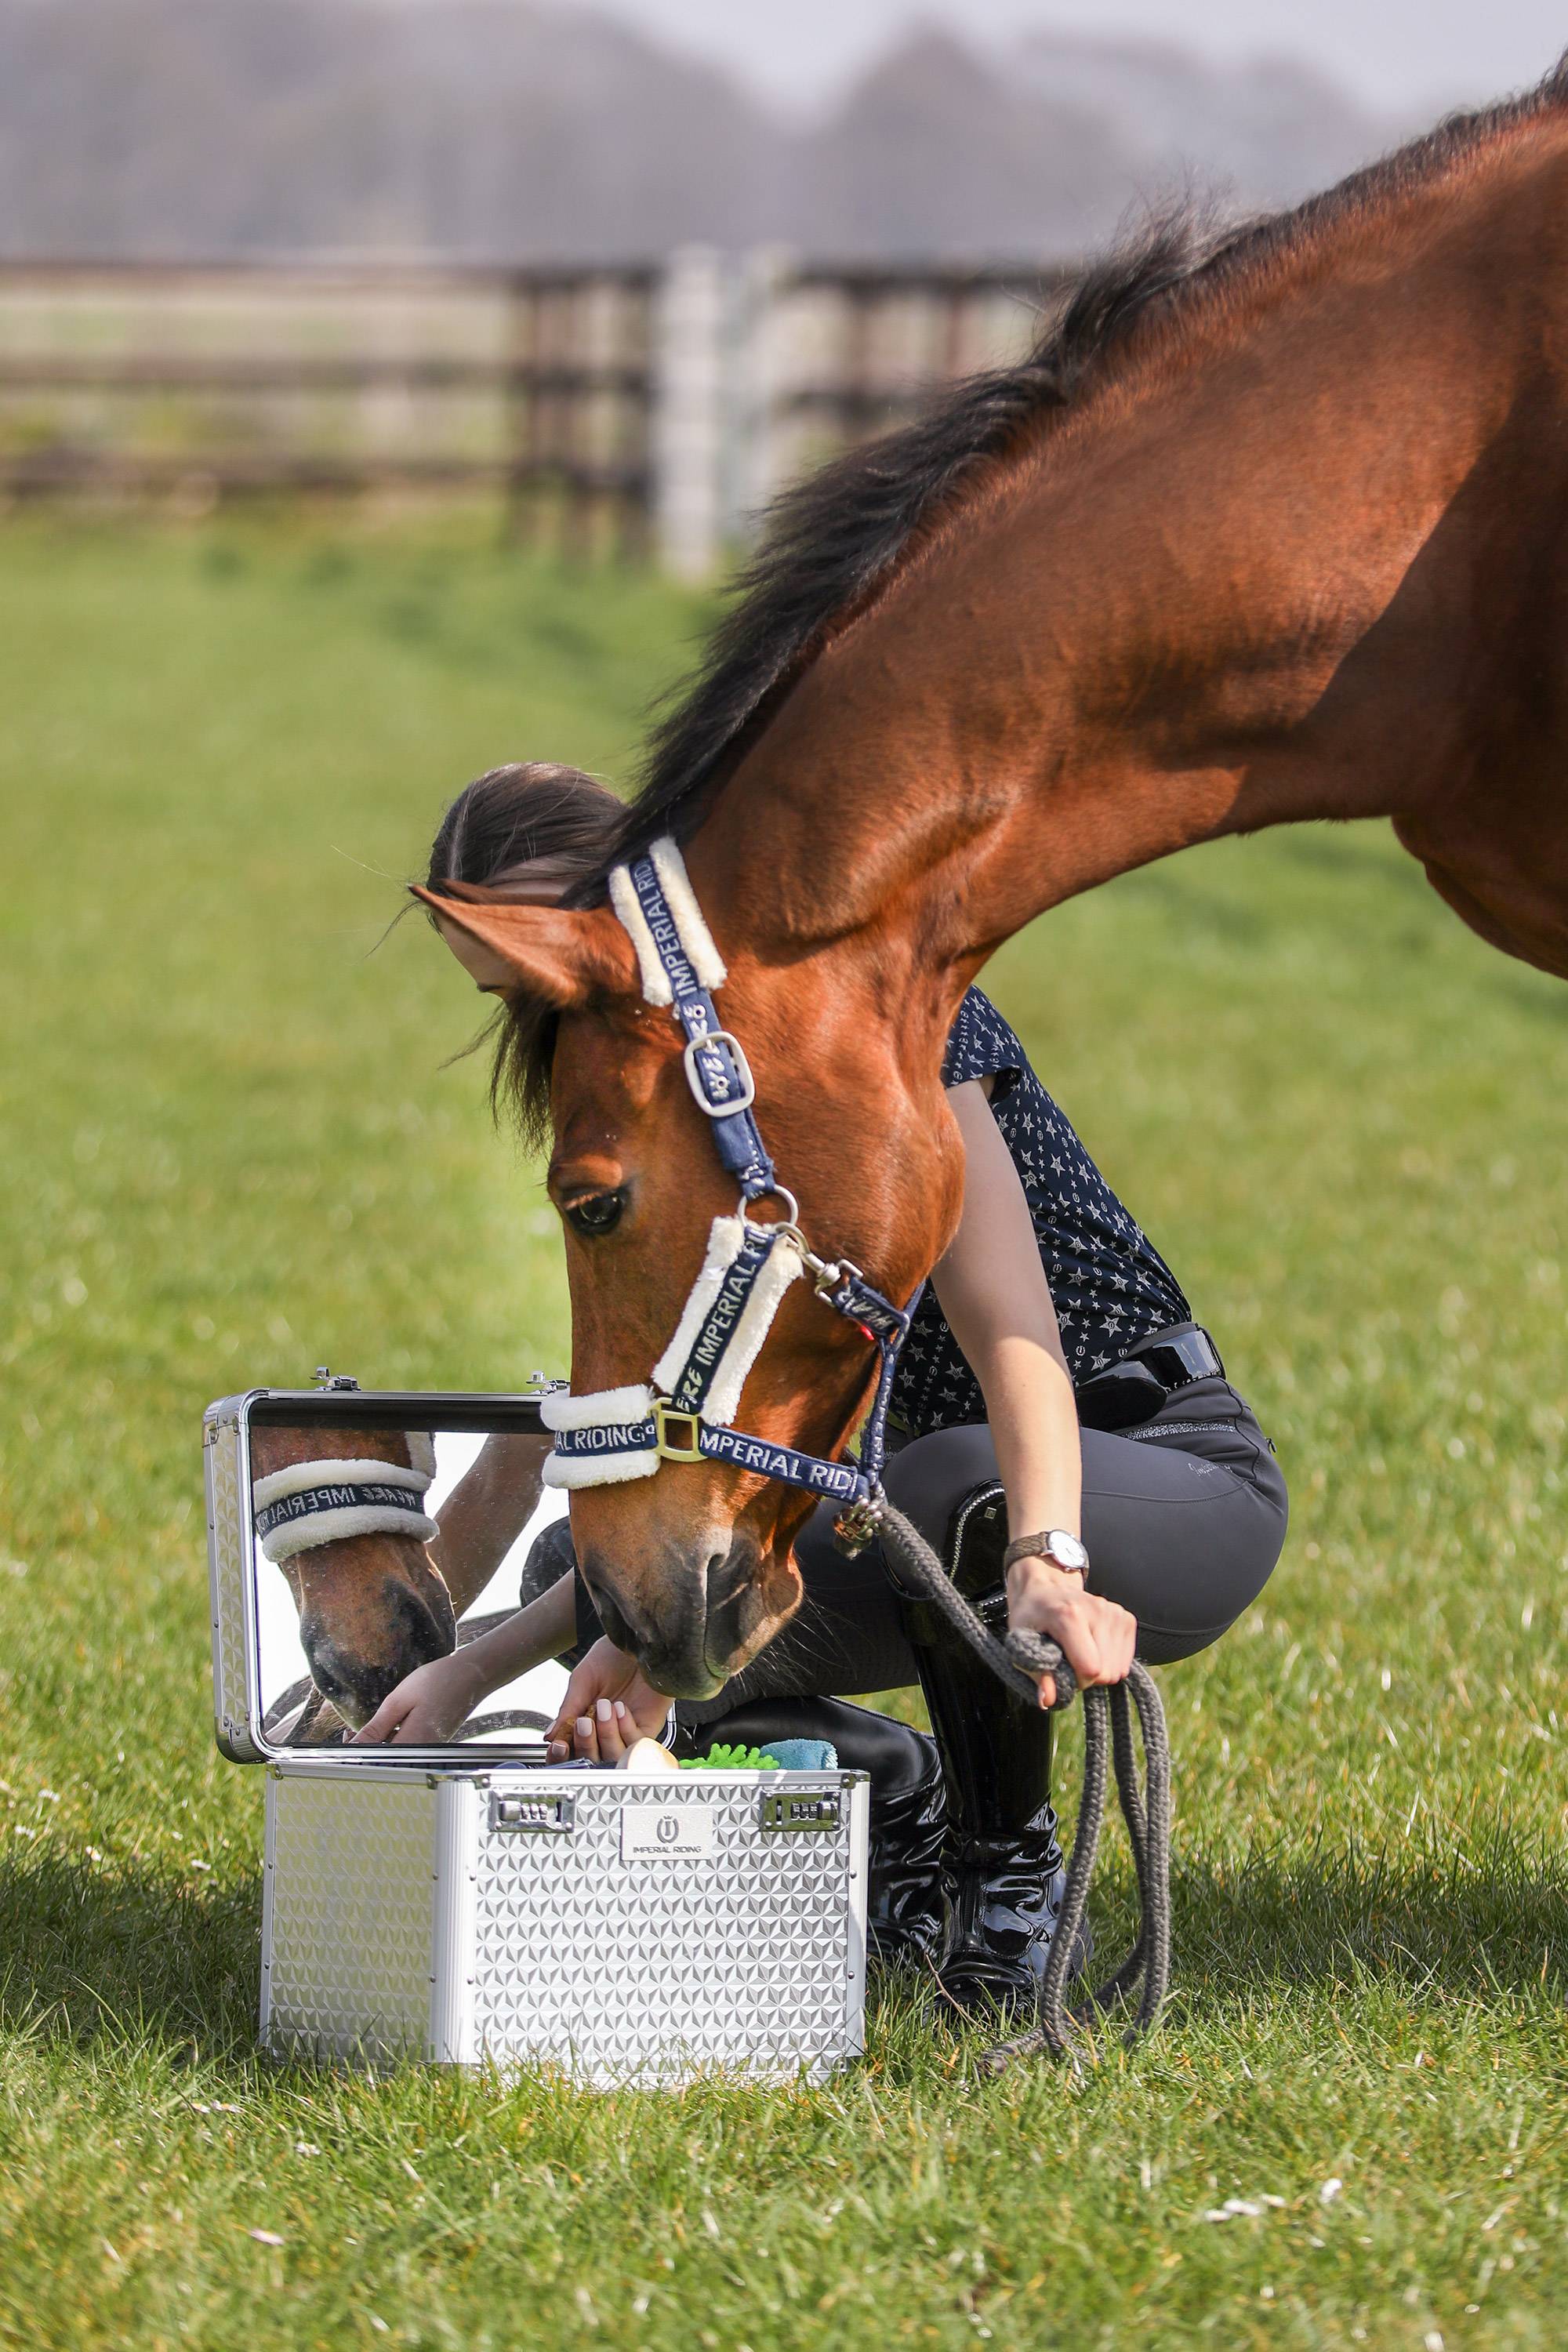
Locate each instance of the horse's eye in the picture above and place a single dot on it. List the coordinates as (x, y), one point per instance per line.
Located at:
(596, 1213)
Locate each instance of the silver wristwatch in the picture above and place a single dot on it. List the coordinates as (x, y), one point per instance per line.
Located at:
(1063, 1550)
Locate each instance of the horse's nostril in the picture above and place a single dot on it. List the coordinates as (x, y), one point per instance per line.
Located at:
(617, 1622)
(731, 1575)
(727, 1573)
(355, 1694)
(420, 1634)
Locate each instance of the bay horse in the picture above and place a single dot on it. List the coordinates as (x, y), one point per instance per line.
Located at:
(371, 1606)
(1269, 527)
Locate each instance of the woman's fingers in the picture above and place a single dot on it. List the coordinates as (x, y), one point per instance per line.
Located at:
(1127, 1647)
(1097, 1637)
(607, 1731)
(1107, 1643)
(576, 1706)
(383, 1724)
(603, 1736)
(581, 1691)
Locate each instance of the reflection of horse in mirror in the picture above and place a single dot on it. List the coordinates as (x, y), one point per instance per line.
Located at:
(1267, 528)
(350, 1539)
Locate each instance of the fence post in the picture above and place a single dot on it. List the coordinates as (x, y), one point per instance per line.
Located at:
(687, 436)
(756, 451)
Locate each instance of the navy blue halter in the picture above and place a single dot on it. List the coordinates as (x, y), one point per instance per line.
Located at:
(721, 1084)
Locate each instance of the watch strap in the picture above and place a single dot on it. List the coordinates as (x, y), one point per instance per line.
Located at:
(1040, 1547)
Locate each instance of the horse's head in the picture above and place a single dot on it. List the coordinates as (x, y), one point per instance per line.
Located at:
(692, 1569)
(371, 1606)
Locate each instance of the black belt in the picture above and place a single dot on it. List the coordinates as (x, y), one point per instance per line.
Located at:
(1148, 1376)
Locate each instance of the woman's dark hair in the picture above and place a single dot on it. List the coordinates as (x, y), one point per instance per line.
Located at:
(534, 831)
(531, 814)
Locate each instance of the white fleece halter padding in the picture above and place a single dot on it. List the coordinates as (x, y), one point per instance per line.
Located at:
(725, 1236)
(319, 1528)
(611, 1408)
(337, 1527)
(681, 899)
(690, 920)
(559, 1410)
(597, 1469)
(299, 1477)
(780, 1269)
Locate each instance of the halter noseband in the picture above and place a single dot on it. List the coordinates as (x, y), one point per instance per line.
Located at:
(308, 1504)
(684, 1413)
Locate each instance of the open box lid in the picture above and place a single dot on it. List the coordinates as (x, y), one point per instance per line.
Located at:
(266, 1705)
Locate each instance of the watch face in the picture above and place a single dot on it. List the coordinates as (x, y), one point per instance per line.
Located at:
(1067, 1551)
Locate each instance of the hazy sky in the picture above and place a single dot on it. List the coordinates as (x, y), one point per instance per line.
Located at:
(1401, 54)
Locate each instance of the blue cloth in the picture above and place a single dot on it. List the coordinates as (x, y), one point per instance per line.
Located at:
(804, 1755)
(1109, 1283)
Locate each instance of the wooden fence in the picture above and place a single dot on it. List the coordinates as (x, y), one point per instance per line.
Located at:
(639, 409)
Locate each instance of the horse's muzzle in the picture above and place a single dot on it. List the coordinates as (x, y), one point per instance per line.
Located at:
(403, 1632)
(691, 1623)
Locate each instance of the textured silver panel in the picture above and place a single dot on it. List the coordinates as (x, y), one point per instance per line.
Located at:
(228, 1559)
(350, 1914)
(750, 1956)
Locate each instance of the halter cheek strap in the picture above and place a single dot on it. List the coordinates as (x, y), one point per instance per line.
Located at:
(680, 966)
(685, 1413)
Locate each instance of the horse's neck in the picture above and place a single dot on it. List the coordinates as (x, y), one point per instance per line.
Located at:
(1243, 588)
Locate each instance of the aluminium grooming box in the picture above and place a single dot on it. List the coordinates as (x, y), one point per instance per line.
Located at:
(472, 1903)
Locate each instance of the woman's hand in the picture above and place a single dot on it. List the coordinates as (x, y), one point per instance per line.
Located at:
(604, 1736)
(608, 1705)
(1095, 1636)
(428, 1706)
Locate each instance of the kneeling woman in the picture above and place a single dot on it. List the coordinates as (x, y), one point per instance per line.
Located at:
(1055, 1388)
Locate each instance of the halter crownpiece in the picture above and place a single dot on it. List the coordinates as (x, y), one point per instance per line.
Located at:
(308, 1504)
(685, 1411)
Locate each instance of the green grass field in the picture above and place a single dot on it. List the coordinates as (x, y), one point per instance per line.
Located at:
(230, 1150)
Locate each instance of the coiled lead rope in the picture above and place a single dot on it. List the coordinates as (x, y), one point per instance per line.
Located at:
(1017, 1663)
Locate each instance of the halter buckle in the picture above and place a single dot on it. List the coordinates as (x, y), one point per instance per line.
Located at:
(748, 1093)
(664, 1413)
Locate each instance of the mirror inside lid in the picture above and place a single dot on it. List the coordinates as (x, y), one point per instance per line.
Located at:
(355, 1535)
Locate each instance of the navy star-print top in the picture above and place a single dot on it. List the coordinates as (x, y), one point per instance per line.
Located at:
(1109, 1283)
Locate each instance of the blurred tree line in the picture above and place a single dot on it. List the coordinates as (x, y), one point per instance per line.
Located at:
(499, 130)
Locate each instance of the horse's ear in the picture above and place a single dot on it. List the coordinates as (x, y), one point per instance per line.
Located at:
(561, 955)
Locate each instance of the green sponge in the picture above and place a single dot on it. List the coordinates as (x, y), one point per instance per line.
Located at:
(721, 1757)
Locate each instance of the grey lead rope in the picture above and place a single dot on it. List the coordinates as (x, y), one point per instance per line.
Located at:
(1017, 1663)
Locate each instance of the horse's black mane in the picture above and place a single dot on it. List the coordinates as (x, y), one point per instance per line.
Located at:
(830, 542)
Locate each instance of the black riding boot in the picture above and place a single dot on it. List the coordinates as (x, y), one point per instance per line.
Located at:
(907, 1918)
(1002, 1861)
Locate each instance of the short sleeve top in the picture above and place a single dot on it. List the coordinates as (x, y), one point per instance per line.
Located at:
(1108, 1284)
